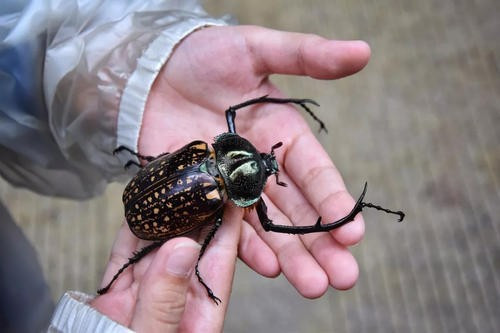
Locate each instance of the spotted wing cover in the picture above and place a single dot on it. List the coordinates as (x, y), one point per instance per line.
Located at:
(170, 196)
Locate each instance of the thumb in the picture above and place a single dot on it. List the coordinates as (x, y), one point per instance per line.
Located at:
(162, 292)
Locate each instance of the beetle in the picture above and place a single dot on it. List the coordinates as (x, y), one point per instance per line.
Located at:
(176, 193)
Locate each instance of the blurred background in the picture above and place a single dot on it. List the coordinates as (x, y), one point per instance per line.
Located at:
(421, 124)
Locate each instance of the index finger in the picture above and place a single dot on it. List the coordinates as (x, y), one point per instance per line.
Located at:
(305, 54)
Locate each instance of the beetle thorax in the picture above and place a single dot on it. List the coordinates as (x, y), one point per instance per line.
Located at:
(241, 167)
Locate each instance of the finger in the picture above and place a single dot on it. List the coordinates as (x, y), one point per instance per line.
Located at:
(217, 268)
(321, 185)
(304, 54)
(335, 259)
(124, 245)
(297, 264)
(162, 293)
(254, 252)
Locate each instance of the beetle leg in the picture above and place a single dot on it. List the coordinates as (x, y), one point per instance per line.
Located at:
(132, 260)
(400, 213)
(268, 224)
(129, 163)
(207, 240)
(142, 157)
(146, 158)
(231, 111)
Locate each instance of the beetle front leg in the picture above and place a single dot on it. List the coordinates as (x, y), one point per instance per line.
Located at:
(136, 256)
(268, 224)
(207, 240)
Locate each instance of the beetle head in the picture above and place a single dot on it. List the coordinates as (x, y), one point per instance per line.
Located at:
(271, 165)
(243, 168)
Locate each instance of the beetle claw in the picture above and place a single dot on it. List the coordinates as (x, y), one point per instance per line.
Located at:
(214, 298)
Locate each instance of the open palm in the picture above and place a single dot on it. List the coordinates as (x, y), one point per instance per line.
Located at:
(217, 67)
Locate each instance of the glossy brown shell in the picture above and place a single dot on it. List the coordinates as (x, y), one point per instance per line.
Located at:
(171, 196)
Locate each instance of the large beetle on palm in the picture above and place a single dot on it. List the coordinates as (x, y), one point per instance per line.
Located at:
(176, 193)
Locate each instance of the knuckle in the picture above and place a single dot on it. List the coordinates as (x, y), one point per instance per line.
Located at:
(308, 182)
(302, 214)
(166, 304)
(336, 204)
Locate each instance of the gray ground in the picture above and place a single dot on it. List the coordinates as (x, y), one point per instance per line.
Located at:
(421, 124)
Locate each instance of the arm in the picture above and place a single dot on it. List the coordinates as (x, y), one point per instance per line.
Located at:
(210, 70)
(221, 66)
(75, 78)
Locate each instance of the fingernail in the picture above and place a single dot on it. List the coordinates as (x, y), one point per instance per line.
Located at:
(183, 258)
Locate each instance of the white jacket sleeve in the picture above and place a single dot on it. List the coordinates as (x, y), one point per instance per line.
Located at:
(74, 78)
(73, 314)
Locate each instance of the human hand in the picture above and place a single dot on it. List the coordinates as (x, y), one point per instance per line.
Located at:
(160, 293)
(217, 67)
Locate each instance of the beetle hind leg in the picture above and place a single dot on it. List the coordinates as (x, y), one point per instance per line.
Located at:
(138, 255)
(207, 240)
(130, 162)
(142, 157)
(146, 158)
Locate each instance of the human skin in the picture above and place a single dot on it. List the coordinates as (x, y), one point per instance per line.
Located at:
(210, 70)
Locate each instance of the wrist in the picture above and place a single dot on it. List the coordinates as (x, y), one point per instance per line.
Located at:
(135, 105)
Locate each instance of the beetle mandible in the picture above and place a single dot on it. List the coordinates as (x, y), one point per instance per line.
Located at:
(176, 193)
